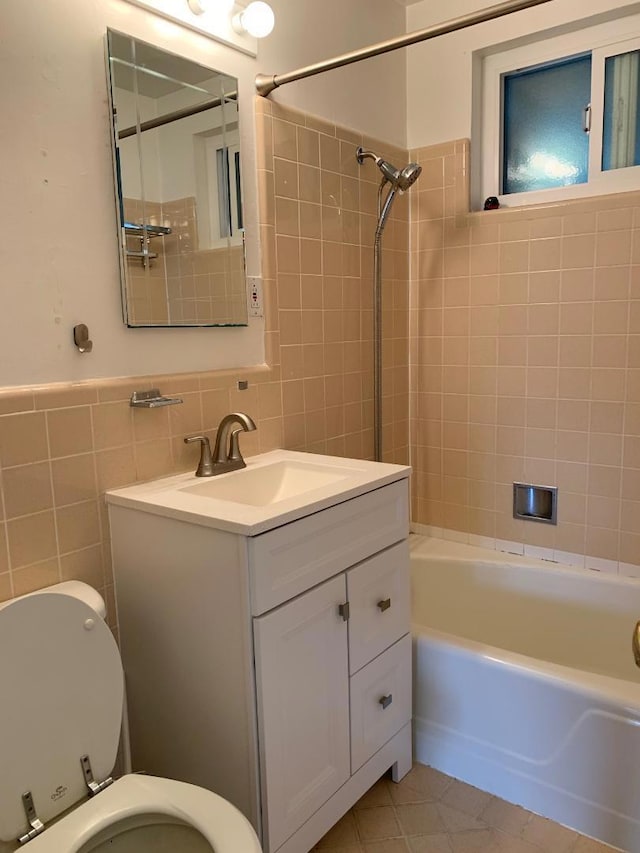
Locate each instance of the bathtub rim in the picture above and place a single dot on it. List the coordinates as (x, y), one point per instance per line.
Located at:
(428, 548)
(603, 688)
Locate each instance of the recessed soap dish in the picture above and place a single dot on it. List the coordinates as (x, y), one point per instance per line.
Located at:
(152, 399)
(535, 503)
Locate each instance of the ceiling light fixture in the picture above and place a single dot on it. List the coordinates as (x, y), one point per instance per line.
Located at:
(198, 7)
(257, 19)
(210, 18)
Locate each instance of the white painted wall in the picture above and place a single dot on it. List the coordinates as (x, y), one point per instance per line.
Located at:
(177, 145)
(133, 150)
(439, 71)
(60, 260)
(368, 96)
(59, 249)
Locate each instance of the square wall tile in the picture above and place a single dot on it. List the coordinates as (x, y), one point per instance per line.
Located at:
(23, 438)
(70, 431)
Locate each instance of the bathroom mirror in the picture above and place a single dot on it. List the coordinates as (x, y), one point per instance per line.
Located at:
(178, 188)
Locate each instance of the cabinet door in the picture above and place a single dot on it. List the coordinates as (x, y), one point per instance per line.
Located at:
(302, 685)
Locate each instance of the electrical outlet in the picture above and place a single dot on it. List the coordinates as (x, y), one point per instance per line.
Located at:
(255, 297)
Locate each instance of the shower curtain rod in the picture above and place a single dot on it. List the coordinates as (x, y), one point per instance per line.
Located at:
(266, 83)
(176, 115)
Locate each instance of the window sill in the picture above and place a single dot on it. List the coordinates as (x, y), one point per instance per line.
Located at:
(586, 204)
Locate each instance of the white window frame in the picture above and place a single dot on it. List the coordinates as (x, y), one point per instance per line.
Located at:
(232, 150)
(212, 145)
(603, 40)
(207, 192)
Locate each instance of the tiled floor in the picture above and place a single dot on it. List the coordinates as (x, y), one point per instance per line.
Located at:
(428, 812)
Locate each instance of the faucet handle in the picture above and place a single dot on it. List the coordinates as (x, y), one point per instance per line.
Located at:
(234, 447)
(205, 466)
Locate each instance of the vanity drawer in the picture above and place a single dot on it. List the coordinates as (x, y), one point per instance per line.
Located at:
(380, 701)
(291, 559)
(379, 609)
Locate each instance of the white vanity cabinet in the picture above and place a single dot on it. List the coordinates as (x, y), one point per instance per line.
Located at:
(274, 669)
(316, 724)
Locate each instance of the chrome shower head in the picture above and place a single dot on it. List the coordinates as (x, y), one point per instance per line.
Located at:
(400, 180)
(409, 175)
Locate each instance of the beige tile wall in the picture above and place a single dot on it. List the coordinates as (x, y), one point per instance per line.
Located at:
(526, 351)
(62, 446)
(183, 284)
(318, 214)
(204, 285)
(146, 293)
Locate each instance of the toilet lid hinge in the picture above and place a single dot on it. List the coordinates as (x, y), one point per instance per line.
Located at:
(35, 823)
(93, 787)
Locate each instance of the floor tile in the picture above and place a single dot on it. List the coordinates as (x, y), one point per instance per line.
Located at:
(458, 821)
(379, 822)
(342, 834)
(420, 819)
(378, 795)
(505, 843)
(421, 784)
(505, 816)
(550, 836)
(465, 798)
(349, 848)
(388, 845)
(439, 843)
(588, 845)
(473, 841)
(429, 812)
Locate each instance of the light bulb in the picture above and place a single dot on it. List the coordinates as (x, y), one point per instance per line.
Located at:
(257, 19)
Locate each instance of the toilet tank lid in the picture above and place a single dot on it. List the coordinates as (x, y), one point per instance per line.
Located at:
(76, 589)
(62, 696)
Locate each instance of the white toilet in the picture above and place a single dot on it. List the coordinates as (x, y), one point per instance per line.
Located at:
(61, 700)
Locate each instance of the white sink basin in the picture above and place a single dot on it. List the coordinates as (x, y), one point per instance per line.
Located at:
(269, 484)
(274, 489)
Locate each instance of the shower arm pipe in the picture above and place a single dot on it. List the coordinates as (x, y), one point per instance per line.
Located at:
(383, 212)
(266, 83)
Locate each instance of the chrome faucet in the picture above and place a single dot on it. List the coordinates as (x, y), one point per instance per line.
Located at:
(226, 453)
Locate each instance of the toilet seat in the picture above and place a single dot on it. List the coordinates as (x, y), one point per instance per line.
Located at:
(62, 698)
(61, 711)
(223, 826)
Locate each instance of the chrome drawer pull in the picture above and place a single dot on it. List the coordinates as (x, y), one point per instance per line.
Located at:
(385, 604)
(385, 701)
(635, 643)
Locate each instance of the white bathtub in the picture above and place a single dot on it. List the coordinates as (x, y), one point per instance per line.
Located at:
(525, 684)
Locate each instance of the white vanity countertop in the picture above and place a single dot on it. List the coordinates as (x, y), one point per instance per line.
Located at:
(176, 497)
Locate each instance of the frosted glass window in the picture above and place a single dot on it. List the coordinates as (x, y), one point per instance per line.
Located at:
(621, 136)
(545, 144)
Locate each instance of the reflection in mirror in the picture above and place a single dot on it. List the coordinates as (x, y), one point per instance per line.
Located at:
(178, 186)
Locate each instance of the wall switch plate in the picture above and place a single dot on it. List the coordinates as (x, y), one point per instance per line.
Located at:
(256, 308)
